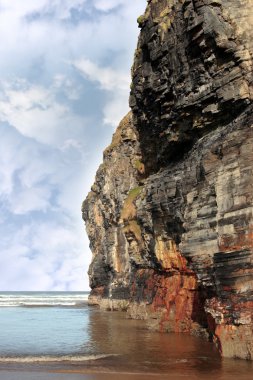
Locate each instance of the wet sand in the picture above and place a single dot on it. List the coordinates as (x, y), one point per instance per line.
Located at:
(70, 375)
(23, 375)
(230, 370)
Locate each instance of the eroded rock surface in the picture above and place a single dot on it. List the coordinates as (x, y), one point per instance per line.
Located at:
(170, 215)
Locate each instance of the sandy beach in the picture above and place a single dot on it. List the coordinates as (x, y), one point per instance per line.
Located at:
(34, 375)
(70, 375)
(24, 375)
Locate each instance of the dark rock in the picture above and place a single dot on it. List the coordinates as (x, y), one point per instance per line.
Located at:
(170, 216)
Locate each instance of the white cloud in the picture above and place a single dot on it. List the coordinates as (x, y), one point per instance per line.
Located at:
(107, 5)
(68, 87)
(34, 111)
(33, 199)
(44, 256)
(107, 78)
(31, 176)
(18, 9)
(52, 117)
(62, 8)
(115, 108)
(114, 81)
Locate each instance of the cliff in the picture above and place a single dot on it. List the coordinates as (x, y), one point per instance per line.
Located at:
(170, 215)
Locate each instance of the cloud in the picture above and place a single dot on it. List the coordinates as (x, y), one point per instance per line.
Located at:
(116, 82)
(107, 78)
(38, 184)
(65, 74)
(45, 256)
(35, 199)
(43, 245)
(37, 177)
(35, 112)
(115, 108)
(60, 8)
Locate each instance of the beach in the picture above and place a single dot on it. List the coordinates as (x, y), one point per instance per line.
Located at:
(20, 375)
(55, 337)
(86, 375)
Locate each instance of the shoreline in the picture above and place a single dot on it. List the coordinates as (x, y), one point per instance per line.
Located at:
(90, 375)
(71, 371)
(83, 374)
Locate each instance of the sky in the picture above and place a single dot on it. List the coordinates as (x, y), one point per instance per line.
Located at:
(64, 87)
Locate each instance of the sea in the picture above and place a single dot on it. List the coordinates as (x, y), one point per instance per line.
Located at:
(57, 336)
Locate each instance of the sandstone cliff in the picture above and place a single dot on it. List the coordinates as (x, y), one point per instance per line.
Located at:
(170, 215)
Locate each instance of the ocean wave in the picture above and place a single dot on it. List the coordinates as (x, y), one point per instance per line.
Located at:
(46, 359)
(38, 304)
(36, 300)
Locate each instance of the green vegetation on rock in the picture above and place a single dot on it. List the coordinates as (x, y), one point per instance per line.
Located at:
(129, 210)
(139, 166)
(140, 20)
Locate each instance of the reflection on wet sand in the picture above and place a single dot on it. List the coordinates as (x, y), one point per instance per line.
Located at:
(139, 349)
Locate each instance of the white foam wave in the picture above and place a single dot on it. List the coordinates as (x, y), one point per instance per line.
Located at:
(44, 359)
(14, 304)
(15, 300)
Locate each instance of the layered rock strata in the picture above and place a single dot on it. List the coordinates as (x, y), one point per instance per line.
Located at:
(170, 215)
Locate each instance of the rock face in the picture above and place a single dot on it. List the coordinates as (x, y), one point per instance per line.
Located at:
(170, 215)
